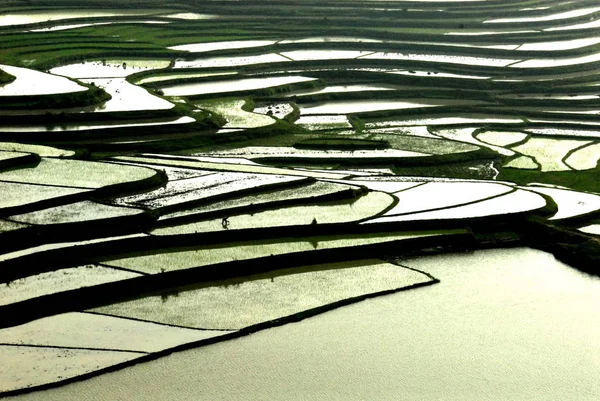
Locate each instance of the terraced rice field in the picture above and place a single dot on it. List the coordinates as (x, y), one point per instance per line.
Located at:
(300, 200)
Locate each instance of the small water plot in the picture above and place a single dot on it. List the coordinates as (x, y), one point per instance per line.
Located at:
(416, 131)
(26, 366)
(551, 17)
(34, 17)
(382, 185)
(63, 246)
(489, 33)
(108, 68)
(435, 146)
(560, 45)
(187, 191)
(343, 89)
(323, 122)
(88, 330)
(517, 201)
(523, 163)
(127, 97)
(97, 126)
(436, 74)
(466, 135)
(443, 121)
(281, 153)
(305, 55)
(300, 193)
(550, 153)
(58, 281)
(570, 203)
(66, 27)
(35, 83)
(361, 106)
(439, 58)
(180, 75)
(75, 213)
(40, 150)
(200, 88)
(584, 158)
(76, 174)
(363, 207)
(501, 138)
(277, 110)
(16, 194)
(226, 45)
(8, 226)
(334, 39)
(593, 229)
(190, 16)
(239, 303)
(566, 132)
(235, 61)
(225, 164)
(557, 62)
(441, 195)
(585, 25)
(236, 117)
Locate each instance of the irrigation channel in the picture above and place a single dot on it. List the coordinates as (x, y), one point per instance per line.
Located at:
(299, 200)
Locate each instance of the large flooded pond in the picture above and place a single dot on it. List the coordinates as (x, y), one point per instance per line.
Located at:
(502, 325)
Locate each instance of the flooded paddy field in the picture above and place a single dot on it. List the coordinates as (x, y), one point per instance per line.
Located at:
(249, 200)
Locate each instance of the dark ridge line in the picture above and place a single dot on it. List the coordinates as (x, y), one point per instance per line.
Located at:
(294, 318)
(29, 160)
(153, 285)
(135, 319)
(124, 269)
(395, 262)
(72, 348)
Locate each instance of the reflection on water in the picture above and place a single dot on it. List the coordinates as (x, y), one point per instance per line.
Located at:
(502, 324)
